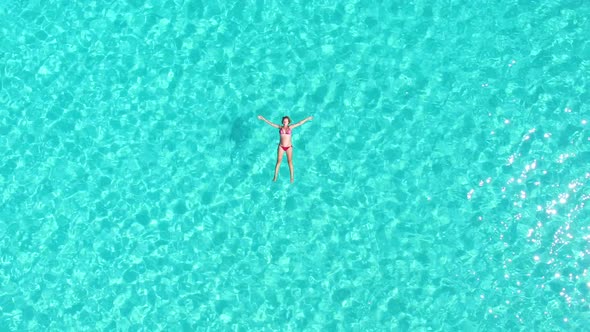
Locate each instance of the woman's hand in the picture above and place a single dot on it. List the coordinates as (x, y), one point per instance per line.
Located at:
(310, 118)
(260, 117)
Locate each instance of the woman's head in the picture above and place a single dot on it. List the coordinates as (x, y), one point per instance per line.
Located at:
(286, 120)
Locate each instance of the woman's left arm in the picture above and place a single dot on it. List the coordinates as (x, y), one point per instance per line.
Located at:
(302, 122)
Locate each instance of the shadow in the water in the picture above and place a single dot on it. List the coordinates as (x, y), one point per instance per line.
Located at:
(240, 134)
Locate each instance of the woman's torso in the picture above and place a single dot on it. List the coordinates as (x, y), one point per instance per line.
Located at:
(285, 133)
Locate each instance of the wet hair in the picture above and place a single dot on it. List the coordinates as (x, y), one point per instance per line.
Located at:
(286, 117)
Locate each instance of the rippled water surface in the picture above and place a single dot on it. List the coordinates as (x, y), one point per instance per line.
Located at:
(441, 185)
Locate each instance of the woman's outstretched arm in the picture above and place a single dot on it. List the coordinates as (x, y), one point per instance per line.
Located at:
(270, 123)
(301, 122)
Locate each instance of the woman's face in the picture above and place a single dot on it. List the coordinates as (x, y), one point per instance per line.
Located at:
(285, 122)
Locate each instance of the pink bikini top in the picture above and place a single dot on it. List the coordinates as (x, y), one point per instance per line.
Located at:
(282, 131)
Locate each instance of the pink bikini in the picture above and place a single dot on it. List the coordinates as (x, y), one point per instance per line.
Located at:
(282, 131)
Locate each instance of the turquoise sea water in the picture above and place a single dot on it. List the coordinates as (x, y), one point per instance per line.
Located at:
(442, 185)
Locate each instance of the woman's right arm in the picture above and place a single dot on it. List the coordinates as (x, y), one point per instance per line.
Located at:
(270, 123)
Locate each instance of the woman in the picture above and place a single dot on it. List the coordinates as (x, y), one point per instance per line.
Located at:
(285, 144)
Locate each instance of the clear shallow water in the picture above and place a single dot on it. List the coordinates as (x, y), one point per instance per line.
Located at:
(441, 186)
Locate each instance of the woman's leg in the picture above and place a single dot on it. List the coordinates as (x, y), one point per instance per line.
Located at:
(279, 158)
(290, 160)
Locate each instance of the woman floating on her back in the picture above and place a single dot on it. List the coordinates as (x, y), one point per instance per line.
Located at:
(285, 144)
